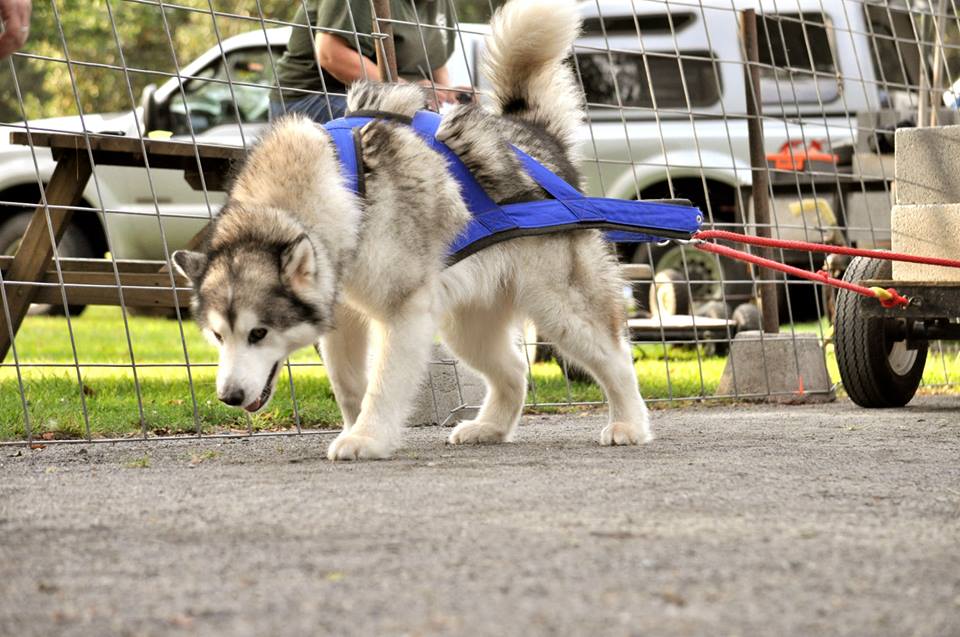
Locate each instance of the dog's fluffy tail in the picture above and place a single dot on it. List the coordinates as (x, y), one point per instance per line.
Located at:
(524, 62)
(402, 99)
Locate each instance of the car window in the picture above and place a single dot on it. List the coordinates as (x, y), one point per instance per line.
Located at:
(897, 54)
(694, 74)
(213, 101)
(797, 58)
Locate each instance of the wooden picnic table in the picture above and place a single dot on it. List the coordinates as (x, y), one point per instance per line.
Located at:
(94, 281)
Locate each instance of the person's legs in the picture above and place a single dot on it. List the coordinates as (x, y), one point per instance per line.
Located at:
(320, 108)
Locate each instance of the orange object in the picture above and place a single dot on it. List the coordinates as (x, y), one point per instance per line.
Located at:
(794, 155)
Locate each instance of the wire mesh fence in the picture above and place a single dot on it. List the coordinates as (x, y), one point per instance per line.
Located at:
(155, 102)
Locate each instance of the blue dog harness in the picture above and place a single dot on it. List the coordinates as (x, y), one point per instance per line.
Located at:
(626, 221)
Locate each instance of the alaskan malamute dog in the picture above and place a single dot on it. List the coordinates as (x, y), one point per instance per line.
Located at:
(295, 257)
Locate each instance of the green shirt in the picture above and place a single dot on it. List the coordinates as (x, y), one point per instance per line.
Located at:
(419, 50)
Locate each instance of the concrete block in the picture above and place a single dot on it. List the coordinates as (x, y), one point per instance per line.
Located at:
(780, 368)
(930, 231)
(448, 387)
(928, 165)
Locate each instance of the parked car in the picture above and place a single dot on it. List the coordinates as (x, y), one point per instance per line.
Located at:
(664, 83)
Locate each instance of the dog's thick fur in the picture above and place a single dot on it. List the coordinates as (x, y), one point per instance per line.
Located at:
(295, 256)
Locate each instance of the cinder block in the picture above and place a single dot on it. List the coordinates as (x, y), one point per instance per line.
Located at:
(928, 165)
(779, 368)
(448, 387)
(930, 231)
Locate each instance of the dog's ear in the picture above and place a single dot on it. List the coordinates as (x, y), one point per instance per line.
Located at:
(298, 265)
(190, 264)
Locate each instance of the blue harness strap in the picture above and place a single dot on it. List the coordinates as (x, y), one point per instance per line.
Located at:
(626, 221)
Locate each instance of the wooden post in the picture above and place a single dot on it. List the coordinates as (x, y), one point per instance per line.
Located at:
(386, 52)
(35, 250)
(758, 161)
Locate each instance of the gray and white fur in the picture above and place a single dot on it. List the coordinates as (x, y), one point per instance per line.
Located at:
(295, 256)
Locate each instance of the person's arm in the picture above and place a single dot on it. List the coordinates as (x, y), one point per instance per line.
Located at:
(337, 58)
(16, 25)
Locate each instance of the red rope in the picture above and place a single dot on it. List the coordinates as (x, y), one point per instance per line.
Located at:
(888, 298)
(804, 246)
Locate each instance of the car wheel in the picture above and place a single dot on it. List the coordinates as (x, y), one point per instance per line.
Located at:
(877, 367)
(73, 244)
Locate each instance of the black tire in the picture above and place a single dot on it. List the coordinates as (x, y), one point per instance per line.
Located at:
(876, 368)
(73, 244)
(574, 373)
(747, 316)
(716, 343)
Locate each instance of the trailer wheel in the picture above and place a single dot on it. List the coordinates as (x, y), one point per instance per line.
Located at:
(876, 366)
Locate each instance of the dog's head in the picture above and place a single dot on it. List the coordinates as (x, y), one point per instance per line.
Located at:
(258, 302)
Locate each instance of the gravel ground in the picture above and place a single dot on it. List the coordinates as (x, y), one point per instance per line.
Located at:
(740, 520)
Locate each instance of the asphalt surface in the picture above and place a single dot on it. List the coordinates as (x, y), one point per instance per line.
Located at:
(736, 521)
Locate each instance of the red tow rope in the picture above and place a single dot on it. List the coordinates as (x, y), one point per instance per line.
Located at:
(888, 297)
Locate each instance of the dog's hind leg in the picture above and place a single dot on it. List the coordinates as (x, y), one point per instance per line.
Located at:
(402, 349)
(344, 352)
(608, 359)
(587, 328)
(483, 339)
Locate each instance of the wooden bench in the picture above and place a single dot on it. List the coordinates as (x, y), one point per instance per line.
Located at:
(30, 276)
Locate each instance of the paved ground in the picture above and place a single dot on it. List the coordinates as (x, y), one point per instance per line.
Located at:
(736, 521)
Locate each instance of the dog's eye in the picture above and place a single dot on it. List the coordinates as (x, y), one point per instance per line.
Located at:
(256, 335)
(218, 337)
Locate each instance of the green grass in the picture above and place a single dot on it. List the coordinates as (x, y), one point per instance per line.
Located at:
(55, 400)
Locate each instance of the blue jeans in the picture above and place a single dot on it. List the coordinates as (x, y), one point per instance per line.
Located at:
(313, 106)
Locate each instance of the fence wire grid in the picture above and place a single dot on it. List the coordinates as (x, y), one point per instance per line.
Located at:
(663, 82)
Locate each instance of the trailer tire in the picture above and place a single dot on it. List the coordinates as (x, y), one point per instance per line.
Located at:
(877, 369)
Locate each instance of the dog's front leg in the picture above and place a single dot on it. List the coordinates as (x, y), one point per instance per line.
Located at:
(344, 352)
(402, 346)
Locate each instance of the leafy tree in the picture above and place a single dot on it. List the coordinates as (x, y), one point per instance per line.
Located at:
(115, 48)
(476, 10)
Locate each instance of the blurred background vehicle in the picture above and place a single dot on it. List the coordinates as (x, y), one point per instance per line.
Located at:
(664, 84)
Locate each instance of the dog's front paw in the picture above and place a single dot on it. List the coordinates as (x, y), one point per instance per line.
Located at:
(474, 432)
(624, 433)
(349, 446)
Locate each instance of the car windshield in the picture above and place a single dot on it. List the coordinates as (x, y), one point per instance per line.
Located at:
(221, 93)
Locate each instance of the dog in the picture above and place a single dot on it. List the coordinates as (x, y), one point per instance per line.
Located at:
(295, 257)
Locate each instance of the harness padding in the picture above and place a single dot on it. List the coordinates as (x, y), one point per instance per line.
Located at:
(626, 221)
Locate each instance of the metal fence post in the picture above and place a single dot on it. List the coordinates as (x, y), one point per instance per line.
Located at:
(386, 52)
(758, 161)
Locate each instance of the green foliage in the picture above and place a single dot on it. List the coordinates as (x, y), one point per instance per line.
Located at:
(57, 400)
(476, 10)
(144, 38)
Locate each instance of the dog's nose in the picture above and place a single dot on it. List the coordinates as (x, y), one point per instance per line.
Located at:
(234, 398)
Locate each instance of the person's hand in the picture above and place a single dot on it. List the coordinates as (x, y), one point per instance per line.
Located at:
(438, 95)
(16, 25)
